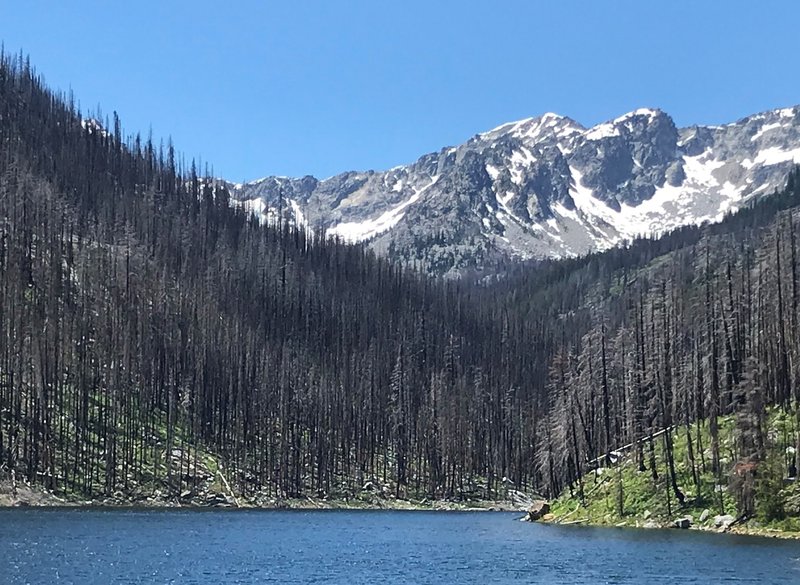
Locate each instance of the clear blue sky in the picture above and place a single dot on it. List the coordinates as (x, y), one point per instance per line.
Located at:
(319, 87)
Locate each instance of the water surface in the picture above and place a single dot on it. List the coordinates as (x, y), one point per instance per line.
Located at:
(100, 547)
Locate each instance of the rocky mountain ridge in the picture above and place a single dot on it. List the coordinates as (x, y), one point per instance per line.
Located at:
(543, 187)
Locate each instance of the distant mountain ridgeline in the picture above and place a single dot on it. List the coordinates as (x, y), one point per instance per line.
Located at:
(543, 187)
(158, 342)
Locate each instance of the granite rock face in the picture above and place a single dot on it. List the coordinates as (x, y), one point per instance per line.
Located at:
(542, 187)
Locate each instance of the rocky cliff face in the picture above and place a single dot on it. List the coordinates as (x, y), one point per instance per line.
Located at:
(543, 187)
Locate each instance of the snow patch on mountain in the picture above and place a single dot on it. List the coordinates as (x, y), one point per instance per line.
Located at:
(358, 231)
(775, 155)
(764, 129)
(601, 131)
(299, 218)
(671, 206)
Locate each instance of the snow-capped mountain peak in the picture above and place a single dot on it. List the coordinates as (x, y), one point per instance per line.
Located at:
(544, 187)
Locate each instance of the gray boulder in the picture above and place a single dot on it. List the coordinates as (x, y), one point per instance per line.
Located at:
(723, 521)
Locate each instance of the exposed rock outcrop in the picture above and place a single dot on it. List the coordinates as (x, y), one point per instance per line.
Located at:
(538, 511)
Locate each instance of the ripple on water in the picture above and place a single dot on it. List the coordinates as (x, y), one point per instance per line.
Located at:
(97, 547)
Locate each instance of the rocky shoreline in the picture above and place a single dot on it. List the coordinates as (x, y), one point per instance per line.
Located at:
(539, 511)
(29, 496)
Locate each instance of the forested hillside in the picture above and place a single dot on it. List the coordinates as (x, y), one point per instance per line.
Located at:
(147, 325)
(659, 342)
(149, 330)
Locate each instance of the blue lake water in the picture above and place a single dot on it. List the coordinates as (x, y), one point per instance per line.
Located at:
(101, 547)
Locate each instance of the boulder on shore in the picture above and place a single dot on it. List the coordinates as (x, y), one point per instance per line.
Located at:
(723, 521)
(537, 510)
(683, 523)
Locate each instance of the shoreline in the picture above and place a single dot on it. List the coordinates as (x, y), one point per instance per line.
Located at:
(738, 530)
(35, 497)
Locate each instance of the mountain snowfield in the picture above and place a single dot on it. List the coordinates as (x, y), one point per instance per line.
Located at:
(543, 187)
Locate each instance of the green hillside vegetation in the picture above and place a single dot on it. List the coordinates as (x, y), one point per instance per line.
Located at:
(627, 493)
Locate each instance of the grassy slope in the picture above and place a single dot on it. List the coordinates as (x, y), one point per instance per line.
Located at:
(647, 501)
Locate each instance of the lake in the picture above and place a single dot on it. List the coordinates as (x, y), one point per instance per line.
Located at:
(101, 547)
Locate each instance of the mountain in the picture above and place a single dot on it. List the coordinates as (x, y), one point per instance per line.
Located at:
(543, 187)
